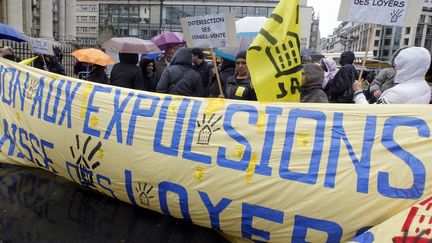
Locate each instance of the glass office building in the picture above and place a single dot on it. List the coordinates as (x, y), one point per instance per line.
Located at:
(143, 20)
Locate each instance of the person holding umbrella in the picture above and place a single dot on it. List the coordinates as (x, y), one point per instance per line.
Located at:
(127, 74)
(91, 64)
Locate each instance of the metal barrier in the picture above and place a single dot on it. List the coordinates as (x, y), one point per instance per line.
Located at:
(23, 51)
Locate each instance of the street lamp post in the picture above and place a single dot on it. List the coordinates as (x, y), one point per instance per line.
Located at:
(160, 17)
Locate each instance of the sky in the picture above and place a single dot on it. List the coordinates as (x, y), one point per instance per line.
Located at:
(328, 11)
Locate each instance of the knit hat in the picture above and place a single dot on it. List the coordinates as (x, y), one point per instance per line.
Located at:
(241, 54)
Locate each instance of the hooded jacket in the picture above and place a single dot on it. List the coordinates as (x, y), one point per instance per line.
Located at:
(331, 68)
(339, 89)
(385, 78)
(311, 91)
(411, 66)
(126, 73)
(179, 78)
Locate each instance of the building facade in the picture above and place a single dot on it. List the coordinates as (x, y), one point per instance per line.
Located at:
(46, 19)
(145, 19)
(385, 40)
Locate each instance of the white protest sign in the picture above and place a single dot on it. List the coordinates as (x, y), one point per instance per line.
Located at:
(383, 12)
(41, 46)
(210, 31)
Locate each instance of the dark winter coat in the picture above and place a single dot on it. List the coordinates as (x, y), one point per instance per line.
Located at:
(227, 70)
(340, 90)
(179, 78)
(126, 73)
(239, 89)
(204, 69)
(98, 75)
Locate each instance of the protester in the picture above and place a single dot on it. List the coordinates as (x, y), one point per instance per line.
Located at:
(306, 59)
(126, 73)
(49, 63)
(330, 70)
(411, 65)
(239, 86)
(385, 78)
(202, 67)
(147, 69)
(58, 53)
(312, 81)
(179, 78)
(340, 89)
(8, 53)
(227, 69)
(81, 69)
(97, 74)
(164, 62)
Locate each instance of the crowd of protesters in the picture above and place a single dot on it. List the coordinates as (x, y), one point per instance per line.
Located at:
(184, 71)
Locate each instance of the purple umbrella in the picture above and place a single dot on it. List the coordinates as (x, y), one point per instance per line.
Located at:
(167, 39)
(9, 33)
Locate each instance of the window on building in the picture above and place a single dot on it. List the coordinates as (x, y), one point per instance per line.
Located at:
(422, 18)
(428, 30)
(430, 19)
(417, 42)
(237, 11)
(407, 30)
(188, 11)
(224, 9)
(396, 41)
(262, 11)
(428, 44)
(212, 9)
(386, 53)
(376, 43)
(388, 31)
(419, 29)
(92, 8)
(270, 11)
(250, 11)
(375, 53)
(398, 30)
(200, 10)
(406, 41)
(378, 33)
(92, 18)
(387, 42)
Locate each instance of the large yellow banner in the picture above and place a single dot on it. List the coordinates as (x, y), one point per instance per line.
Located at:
(280, 172)
(274, 59)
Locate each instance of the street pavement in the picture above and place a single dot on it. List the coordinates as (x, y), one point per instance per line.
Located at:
(37, 206)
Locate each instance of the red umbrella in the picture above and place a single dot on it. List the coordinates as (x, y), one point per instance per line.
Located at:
(164, 40)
